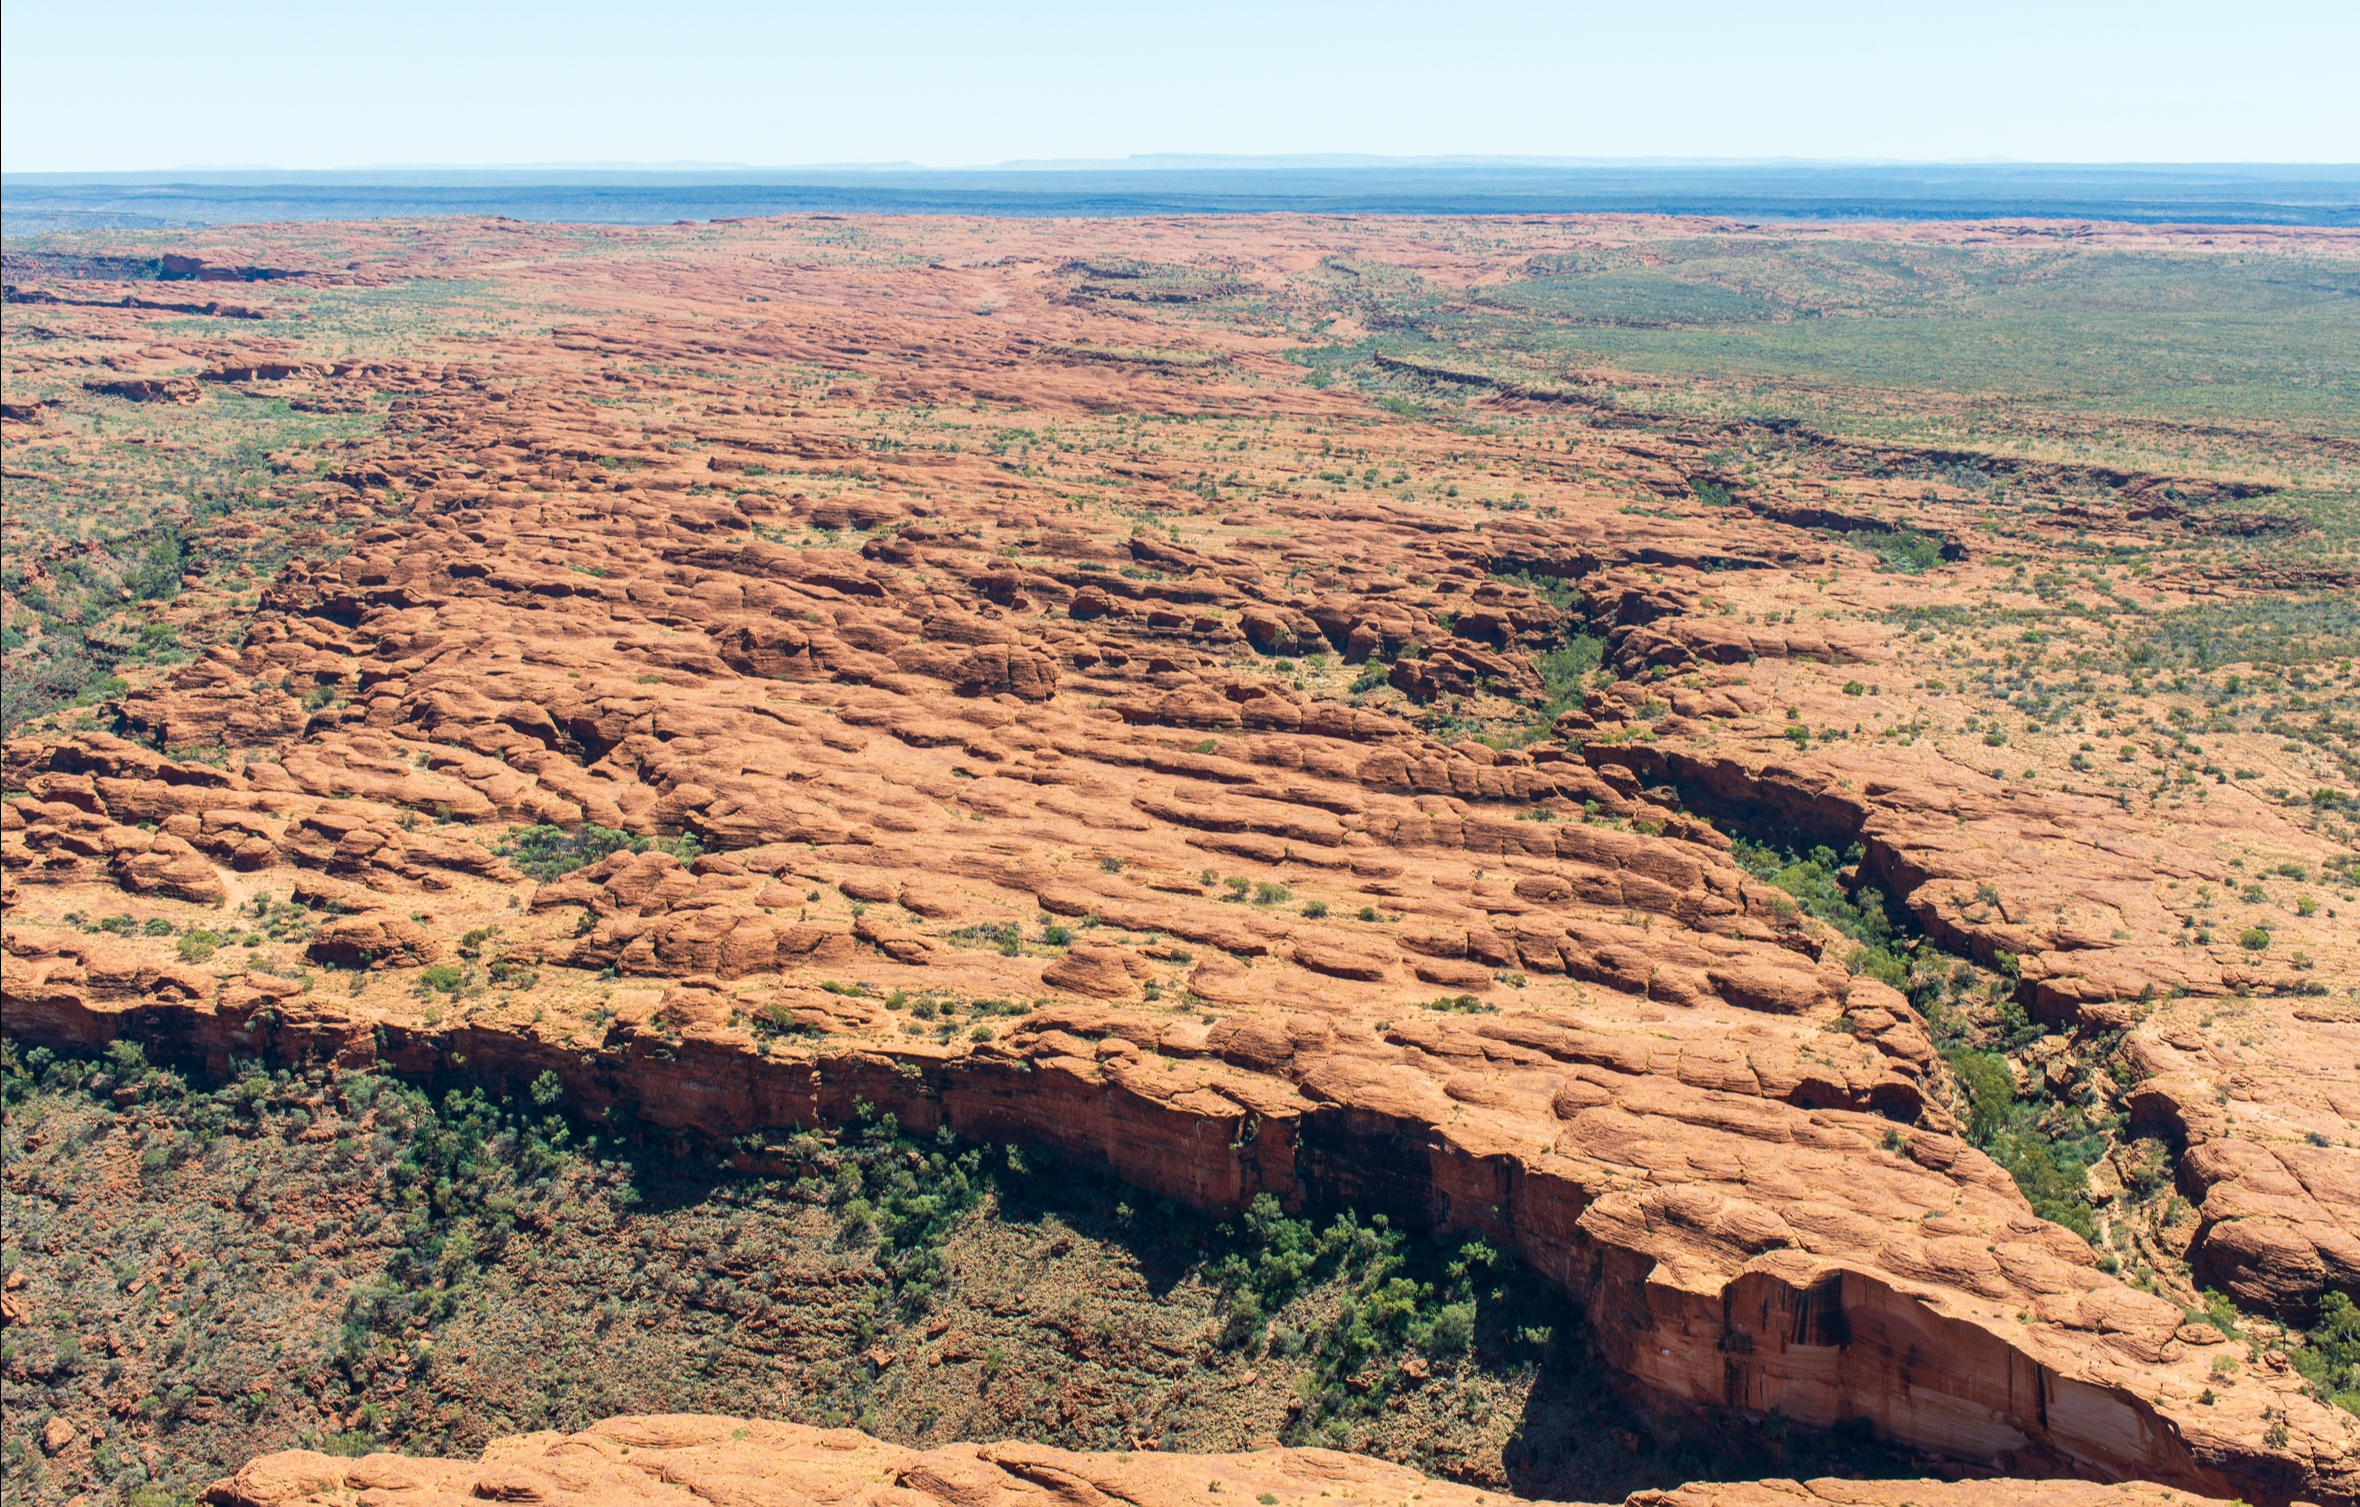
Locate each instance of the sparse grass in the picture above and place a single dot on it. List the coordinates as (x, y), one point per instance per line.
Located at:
(1908, 342)
(2262, 630)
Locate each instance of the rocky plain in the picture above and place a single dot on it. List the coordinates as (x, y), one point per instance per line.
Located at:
(1170, 915)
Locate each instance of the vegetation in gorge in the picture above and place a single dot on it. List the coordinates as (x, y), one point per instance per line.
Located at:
(2047, 1143)
(347, 1262)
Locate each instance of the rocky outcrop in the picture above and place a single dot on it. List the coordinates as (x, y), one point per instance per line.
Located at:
(1737, 1241)
(688, 1459)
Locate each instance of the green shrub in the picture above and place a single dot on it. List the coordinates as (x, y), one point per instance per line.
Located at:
(2047, 1153)
(197, 946)
(1881, 964)
(1811, 879)
(1392, 1293)
(1004, 939)
(102, 689)
(1990, 1089)
(1904, 550)
(546, 852)
(2330, 1363)
(1554, 590)
(1453, 1329)
(1464, 1004)
(2056, 1186)
(1563, 671)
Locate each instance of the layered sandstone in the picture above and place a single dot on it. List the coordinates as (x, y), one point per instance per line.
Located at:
(687, 1459)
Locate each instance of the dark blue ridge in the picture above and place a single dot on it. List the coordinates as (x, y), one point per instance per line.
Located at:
(2263, 194)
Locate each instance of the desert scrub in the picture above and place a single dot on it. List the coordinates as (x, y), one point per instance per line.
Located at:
(1006, 939)
(334, 1220)
(438, 1269)
(2047, 1146)
(1382, 1307)
(1564, 669)
(2330, 1363)
(893, 1194)
(1366, 1313)
(545, 852)
(1903, 550)
(1813, 879)
(96, 604)
(2271, 630)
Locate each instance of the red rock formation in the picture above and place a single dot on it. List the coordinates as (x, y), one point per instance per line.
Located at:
(686, 1459)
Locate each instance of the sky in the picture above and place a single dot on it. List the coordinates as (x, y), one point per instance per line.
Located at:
(139, 85)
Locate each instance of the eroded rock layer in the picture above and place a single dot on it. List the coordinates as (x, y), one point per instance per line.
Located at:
(687, 1459)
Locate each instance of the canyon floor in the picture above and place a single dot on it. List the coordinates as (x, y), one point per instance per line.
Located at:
(1581, 854)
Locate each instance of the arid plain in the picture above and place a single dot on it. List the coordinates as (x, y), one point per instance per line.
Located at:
(1581, 854)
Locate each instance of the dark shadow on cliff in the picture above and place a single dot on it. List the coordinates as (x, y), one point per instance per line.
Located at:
(424, 1272)
(1582, 1438)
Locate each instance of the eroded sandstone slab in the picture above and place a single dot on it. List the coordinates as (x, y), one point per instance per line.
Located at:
(686, 1459)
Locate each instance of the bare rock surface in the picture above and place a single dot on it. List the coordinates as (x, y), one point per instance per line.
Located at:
(688, 1459)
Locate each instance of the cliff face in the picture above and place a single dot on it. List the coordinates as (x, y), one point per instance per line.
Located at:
(1201, 784)
(687, 1459)
(1732, 1248)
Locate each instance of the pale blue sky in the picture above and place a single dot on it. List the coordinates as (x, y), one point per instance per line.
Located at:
(134, 84)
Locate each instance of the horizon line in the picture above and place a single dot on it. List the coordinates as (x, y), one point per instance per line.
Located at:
(1167, 162)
